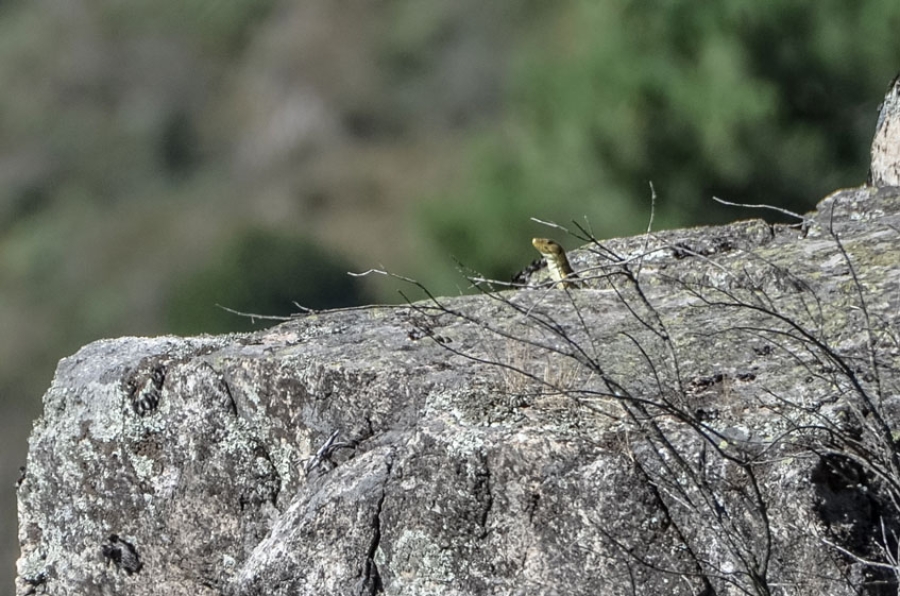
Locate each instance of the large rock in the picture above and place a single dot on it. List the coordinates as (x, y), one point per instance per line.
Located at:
(716, 416)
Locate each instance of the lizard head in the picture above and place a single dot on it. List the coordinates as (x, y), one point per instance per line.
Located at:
(546, 246)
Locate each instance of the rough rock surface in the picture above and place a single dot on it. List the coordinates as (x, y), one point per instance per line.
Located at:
(684, 424)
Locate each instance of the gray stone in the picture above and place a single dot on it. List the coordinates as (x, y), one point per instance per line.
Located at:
(694, 421)
(885, 154)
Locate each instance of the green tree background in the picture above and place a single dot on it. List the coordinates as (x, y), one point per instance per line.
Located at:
(159, 158)
(755, 103)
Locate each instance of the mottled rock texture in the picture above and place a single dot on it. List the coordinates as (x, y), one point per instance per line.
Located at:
(885, 155)
(716, 416)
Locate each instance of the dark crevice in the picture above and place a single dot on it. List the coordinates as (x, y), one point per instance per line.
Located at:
(695, 559)
(486, 497)
(232, 404)
(370, 583)
(278, 481)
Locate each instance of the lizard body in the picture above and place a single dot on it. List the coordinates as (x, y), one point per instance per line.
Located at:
(557, 262)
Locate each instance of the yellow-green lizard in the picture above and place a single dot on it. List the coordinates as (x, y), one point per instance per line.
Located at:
(557, 263)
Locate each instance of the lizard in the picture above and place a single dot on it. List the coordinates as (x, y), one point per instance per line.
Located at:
(557, 263)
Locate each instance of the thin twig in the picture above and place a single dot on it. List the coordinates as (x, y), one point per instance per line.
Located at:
(253, 316)
(550, 224)
(859, 559)
(772, 207)
(640, 264)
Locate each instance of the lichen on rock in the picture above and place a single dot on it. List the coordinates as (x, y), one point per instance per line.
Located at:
(681, 422)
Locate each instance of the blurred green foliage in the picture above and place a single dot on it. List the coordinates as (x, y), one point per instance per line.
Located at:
(261, 272)
(221, 27)
(754, 102)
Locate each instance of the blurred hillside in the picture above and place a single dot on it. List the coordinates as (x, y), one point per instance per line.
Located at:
(159, 158)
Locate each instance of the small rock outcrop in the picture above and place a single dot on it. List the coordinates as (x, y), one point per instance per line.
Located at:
(885, 154)
(714, 411)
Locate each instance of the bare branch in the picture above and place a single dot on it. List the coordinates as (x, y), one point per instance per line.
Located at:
(772, 207)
